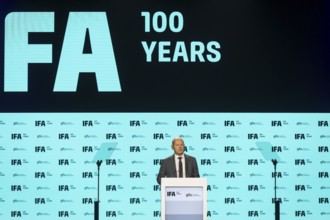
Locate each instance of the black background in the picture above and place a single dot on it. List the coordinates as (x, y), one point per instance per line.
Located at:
(275, 58)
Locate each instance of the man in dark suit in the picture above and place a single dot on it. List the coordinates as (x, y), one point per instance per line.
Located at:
(179, 164)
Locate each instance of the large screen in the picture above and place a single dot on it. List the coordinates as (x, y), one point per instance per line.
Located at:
(161, 56)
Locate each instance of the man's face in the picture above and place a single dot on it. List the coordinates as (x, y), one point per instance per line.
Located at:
(178, 146)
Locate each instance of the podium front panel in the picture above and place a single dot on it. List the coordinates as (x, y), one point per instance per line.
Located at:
(184, 199)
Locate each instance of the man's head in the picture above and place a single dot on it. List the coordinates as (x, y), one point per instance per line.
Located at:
(178, 146)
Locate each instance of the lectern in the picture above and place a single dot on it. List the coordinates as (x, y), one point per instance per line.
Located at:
(184, 198)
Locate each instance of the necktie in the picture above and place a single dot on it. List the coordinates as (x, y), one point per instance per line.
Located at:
(180, 168)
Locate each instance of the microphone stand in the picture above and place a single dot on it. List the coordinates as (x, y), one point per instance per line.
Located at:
(96, 203)
(277, 202)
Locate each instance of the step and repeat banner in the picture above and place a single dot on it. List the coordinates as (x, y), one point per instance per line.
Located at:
(49, 171)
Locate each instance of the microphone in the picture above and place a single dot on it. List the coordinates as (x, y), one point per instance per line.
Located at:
(274, 161)
(99, 162)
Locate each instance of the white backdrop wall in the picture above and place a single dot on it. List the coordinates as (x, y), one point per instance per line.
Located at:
(48, 169)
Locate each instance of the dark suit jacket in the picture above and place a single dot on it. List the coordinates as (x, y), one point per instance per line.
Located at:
(167, 169)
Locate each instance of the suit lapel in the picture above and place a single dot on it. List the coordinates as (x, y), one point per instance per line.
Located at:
(187, 165)
(173, 167)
